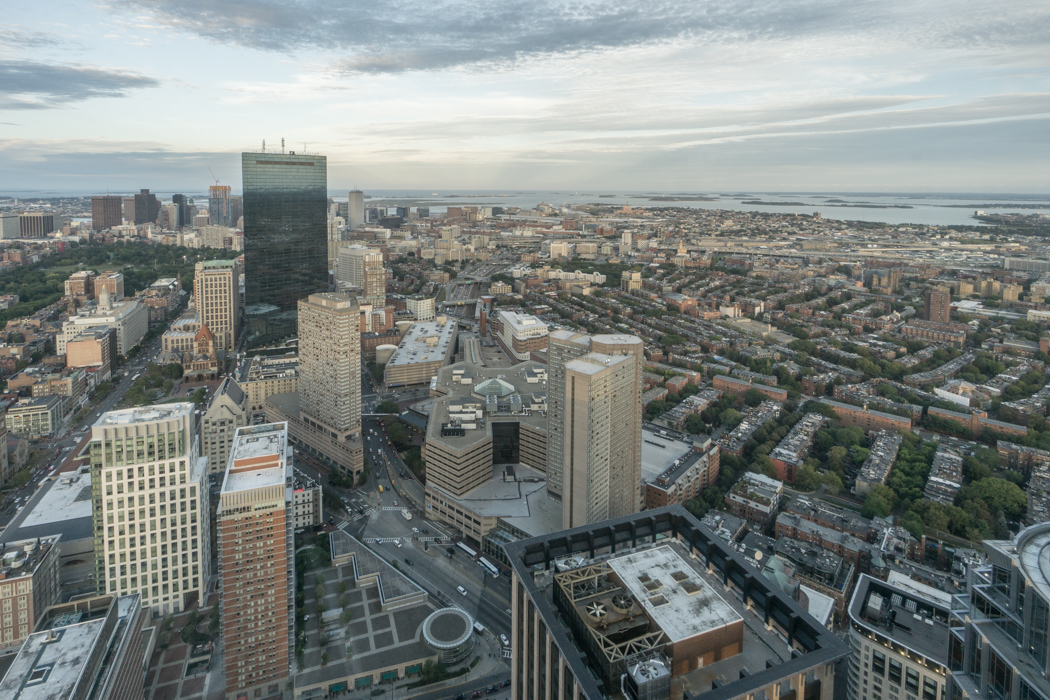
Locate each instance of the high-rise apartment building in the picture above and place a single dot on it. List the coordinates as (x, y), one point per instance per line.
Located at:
(602, 443)
(182, 209)
(938, 306)
(999, 632)
(898, 639)
(150, 506)
(285, 239)
(147, 207)
(219, 205)
(355, 210)
(106, 212)
(564, 347)
(257, 563)
(362, 267)
(216, 298)
(330, 363)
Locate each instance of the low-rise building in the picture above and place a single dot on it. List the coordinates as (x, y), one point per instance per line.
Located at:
(29, 583)
(734, 441)
(261, 377)
(35, 418)
(755, 498)
(794, 448)
(426, 347)
(881, 458)
(308, 504)
(866, 419)
(519, 334)
(945, 477)
(732, 385)
(686, 478)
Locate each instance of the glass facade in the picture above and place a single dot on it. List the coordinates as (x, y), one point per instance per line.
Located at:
(285, 240)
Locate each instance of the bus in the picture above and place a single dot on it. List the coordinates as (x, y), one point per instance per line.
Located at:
(468, 551)
(489, 567)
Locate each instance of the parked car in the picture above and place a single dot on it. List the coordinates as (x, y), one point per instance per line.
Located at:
(503, 638)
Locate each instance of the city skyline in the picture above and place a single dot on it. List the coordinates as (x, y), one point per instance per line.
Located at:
(878, 97)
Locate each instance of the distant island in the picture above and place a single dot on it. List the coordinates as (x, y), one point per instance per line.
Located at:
(818, 204)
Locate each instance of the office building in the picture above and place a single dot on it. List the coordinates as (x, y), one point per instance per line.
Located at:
(150, 506)
(601, 427)
(106, 212)
(147, 208)
(87, 649)
(35, 418)
(356, 210)
(330, 363)
(635, 606)
(182, 210)
(9, 226)
(129, 319)
(110, 280)
(938, 305)
(216, 298)
(520, 334)
(421, 308)
(285, 239)
(95, 349)
(28, 585)
(261, 377)
(998, 632)
(81, 285)
(219, 205)
(226, 413)
(257, 563)
(363, 269)
(35, 224)
(898, 639)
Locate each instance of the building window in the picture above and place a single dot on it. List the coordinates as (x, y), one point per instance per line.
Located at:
(878, 663)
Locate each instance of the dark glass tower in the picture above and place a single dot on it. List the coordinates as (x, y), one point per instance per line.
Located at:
(285, 240)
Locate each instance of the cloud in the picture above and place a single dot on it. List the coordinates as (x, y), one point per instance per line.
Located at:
(409, 35)
(35, 85)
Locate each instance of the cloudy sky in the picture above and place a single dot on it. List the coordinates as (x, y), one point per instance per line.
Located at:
(673, 95)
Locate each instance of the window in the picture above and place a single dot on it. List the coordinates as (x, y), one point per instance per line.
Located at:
(878, 663)
(912, 684)
(929, 689)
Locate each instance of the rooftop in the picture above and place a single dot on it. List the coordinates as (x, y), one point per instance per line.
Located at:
(672, 593)
(145, 414)
(258, 458)
(425, 341)
(899, 612)
(1033, 545)
(62, 508)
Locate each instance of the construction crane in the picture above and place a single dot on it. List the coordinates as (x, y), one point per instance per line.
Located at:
(213, 176)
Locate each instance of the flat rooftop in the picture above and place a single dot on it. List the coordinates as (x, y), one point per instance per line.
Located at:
(63, 507)
(911, 619)
(145, 414)
(251, 443)
(661, 448)
(672, 592)
(415, 348)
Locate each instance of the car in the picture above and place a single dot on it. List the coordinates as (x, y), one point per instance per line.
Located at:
(415, 529)
(476, 694)
(426, 531)
(490, 690)
(462, 590)
(395, 503)
(408, 561)
(503, 638)
(505, 683)
(398, 543)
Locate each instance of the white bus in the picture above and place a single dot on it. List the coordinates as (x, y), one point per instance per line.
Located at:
(489, 567)
(468, 551)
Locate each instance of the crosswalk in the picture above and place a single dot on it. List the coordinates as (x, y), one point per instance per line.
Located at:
(397, 508)
(341, 524)
(364, 514)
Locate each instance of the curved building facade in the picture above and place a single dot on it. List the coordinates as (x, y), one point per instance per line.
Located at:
(998, 644)
(450, 633)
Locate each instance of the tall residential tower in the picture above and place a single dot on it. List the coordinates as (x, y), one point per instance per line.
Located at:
(330, 363)
(216, 296)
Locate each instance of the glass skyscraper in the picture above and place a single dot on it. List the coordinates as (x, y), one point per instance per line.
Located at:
(285, 240)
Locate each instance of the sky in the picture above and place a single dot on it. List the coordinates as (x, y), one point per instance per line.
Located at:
(660, 95)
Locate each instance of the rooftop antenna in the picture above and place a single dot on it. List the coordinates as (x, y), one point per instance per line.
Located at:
(282, 144)
(264, 146)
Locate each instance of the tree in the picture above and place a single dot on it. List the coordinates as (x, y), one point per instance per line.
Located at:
(998, 495)
(807, 478)
(753, 397)
(837, 457)
(833, 482)
(730, 417)
(875, 506)
(345, 616)
(388, 407)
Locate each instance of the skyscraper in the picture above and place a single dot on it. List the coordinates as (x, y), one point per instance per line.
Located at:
(255, 524)
(150, 506)
(219, 205)
(998, 644)
(147, 208)
(216, 296)
(285, 239)
(938, 307)
(356, 210)
(183, 209)
(330, 363)
(106, 212)
(594, 437)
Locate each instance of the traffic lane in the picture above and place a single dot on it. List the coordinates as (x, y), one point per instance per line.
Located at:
(469, 687)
